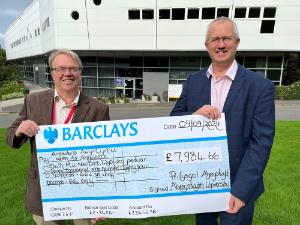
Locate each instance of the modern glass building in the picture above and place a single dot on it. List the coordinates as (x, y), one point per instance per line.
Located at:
(133, 47)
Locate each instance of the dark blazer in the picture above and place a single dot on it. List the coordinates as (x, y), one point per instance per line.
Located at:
(38, 107)
(250, 123)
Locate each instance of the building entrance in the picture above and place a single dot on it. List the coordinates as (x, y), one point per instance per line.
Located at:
(133, 88)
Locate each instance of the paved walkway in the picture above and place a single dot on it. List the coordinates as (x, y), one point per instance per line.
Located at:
(14, 105)
(285, 110)
(19, 101)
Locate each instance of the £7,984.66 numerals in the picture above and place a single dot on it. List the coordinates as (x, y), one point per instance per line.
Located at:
(192, 155)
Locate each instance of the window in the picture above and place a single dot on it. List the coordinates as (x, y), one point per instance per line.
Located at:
(136, 61)
(90, 91)
(240, 12)
(89, 81)
(267, 26)
(106, 92)
(122, 61)
(193, 14)
(97, 2)
(147, 14)
(254, 12)
(106, 72)
(205, 61)
(129, 72)
(240, 59)
(223, 12)
(178, 13)
(185, 61)
(45, 24)
(156, 62)
(273, 75)
(164, 14)
(255, 62)
(75, 15)
(181, 73)
(89, 60)
(106, 61)
(274, 62)
(134, 14)
(269, 12)
(172, 81)
(139, 83)
(208, 13)
(89, 71)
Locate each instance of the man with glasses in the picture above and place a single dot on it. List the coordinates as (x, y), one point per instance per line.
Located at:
(247, 100)
(64, 104)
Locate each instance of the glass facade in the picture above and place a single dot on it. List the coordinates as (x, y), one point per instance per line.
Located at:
(27, 70)
(100, 74)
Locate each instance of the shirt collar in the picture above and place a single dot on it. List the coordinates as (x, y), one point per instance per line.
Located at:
(57, 98)
(230, 73)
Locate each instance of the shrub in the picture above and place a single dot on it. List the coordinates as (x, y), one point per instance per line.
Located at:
(288, 92)
(25, 90)
(13, 95)
(103, 99)
(10, 87)
(126, 100)
(147, 97)
(10, 72)
(112, 99)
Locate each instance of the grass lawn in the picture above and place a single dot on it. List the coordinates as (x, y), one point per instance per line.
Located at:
(280, 204)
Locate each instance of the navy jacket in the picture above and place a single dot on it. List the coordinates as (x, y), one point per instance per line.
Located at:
(250, 123)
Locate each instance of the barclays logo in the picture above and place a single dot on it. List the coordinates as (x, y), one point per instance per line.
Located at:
(99, 131)
(50, 135)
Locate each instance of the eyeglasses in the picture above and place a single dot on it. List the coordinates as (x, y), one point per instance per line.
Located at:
(62, 70)
(215, 40)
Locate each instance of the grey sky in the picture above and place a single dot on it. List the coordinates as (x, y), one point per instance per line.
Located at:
(9, 11)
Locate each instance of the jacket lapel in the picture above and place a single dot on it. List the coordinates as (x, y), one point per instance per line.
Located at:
(235, 88)
(81, 110)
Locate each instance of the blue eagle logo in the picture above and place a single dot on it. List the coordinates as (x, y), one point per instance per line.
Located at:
(50, 135)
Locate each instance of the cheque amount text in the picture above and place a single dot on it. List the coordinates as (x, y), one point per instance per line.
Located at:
(192, 155)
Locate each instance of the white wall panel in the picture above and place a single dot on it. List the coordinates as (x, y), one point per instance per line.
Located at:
(182, 43)
(115, 4)
(125, 43)
(263, 44)
(192, 3)
(70, 33)
(24, 28)
(110, 28)
(265, 2)
(107, 27)
(245, 28)
(287, 13)
(74, 42)
(123, 29)
(47, 19)
(70, 4)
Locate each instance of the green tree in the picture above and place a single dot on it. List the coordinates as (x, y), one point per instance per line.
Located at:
(2, 56)
(8, 71)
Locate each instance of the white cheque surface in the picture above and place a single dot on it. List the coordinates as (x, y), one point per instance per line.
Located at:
(134, 168)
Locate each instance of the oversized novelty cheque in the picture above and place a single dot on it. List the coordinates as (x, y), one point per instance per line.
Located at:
(134, 168)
